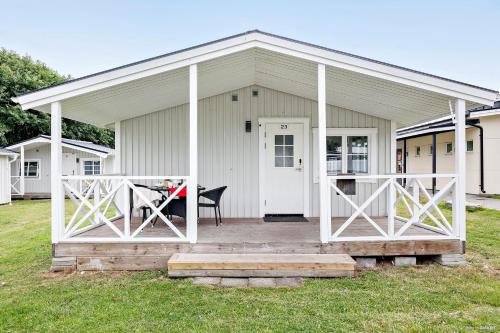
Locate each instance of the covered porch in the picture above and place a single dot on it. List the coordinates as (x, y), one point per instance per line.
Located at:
(332, 94)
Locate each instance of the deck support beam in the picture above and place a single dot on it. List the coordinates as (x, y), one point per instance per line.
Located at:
(192, 187)
(459, 213)
(324, 187)
(56, 188)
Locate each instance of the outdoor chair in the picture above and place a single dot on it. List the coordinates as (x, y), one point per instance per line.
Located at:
(144, 209)
(213, 195)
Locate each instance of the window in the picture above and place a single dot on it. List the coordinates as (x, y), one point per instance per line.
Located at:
(283, 151)
(91, 167)
(470, 145)
(449, 148)
(431, 149)
(348, 150)
(417, 151)
(31, 169)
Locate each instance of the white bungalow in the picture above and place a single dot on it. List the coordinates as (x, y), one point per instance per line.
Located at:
(7, 157)
(278, 121)
(78, 158)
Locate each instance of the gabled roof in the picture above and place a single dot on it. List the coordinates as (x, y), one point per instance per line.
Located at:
(87, 146)
(256, 58)
(262, 33)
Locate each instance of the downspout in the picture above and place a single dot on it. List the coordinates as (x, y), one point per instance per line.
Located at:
(481, 154)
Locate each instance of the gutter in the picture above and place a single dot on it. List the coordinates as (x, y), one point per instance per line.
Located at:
(481, 152)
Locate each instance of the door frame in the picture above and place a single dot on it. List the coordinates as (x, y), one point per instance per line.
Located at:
(262, 157)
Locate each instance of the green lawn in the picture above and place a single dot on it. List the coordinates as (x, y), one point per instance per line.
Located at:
(427, 298)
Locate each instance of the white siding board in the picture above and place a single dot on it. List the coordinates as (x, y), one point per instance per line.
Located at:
(228, 155)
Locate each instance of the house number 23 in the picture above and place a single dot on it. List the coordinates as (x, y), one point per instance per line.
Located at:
(284, 126)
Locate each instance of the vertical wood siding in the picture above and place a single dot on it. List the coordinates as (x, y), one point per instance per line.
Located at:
(156, 144)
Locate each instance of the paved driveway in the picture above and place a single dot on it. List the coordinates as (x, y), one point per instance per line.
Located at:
(483, 201)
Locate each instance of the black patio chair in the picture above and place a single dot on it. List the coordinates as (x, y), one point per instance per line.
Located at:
(213, 195)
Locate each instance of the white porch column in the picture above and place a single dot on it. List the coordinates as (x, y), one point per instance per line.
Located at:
(459, 193)
(118, 157)
(21, 178)
(391, 200)
(324, 188)
(192, 186)
(56, 187)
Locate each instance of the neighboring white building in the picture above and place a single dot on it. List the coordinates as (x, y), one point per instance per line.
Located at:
(6, 159)
(79, 158)
(415, 149)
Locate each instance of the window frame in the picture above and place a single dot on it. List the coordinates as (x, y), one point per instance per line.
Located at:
(83, 160)
(344, 132)
(430, 150)
(39, 167)
(417, 151)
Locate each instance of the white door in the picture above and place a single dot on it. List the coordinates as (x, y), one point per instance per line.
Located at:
(69, 167)
(284, 168)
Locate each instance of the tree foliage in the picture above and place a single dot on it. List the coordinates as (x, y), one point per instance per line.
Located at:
(20, 74)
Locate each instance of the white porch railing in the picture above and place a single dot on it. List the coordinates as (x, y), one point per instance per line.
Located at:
(15, 185)
(103, 201)
(409, 207)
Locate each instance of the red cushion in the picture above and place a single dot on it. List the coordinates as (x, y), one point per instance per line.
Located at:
(182, 193)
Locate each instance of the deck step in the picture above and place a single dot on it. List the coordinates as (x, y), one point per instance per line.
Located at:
(260, 265)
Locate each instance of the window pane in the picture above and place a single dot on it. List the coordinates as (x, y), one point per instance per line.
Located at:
(357, 144)
(333, 154)
(289, 139)
(357, 163)
(278, 151)
(289, 151)
(278, 139)
(278, 162)
(289, 162)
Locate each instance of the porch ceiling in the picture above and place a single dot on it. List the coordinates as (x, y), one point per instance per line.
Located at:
(257, 66)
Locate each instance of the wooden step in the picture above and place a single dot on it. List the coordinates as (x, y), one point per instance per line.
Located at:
(260, 265)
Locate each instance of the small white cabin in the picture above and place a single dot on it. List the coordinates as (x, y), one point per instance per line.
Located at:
(286, 127)
(78, 158)
(7, 157)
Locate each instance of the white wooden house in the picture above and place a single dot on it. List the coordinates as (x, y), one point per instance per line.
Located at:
(278, 121)
(78, 158)
(7, 157)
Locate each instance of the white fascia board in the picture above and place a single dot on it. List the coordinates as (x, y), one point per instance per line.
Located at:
(28, 142)
(485, 113)
(428, 131)
(244, 42)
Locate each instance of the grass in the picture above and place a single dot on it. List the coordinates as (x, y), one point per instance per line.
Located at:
(428, 298)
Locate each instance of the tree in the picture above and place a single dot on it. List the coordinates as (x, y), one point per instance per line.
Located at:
(20, 74)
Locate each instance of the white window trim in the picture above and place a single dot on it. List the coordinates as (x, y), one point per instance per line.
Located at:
(39, 161)
(83, 160)
(371, 133)
(446, 152)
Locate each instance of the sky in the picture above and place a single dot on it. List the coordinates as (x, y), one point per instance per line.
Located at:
(456, 39)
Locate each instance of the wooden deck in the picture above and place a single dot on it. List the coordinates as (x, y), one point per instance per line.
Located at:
(31, 196)
(242, 236)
